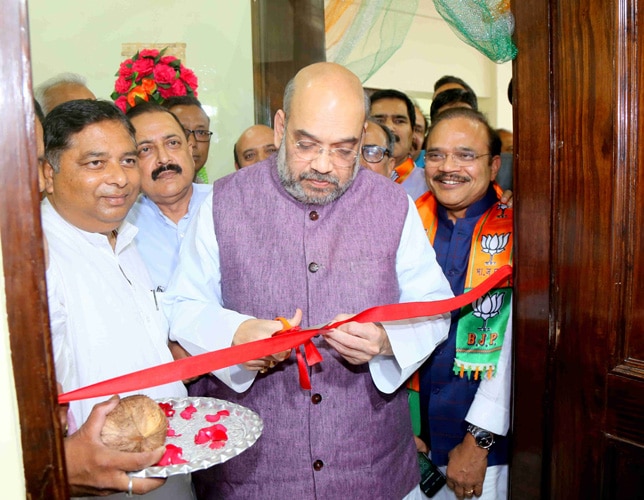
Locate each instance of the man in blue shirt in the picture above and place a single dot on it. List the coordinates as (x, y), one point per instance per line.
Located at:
(196, 122)
(169, 198)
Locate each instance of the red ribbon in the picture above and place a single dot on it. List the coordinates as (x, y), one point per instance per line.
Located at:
(203, 363)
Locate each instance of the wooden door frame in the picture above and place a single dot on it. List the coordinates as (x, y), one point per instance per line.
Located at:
(275, 60)
(24, 269)
(533, 114)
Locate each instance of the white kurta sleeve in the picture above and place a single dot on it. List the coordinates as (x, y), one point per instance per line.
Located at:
(193, 300)
(420, 278)
(62, 350)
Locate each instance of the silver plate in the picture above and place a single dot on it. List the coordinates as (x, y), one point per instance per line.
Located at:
(243, 428)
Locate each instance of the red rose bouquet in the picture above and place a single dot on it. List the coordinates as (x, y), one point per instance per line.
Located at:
(151, 76)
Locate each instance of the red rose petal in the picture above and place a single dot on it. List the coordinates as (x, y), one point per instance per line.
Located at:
(172, 456)
(203, 436)
(172, 433)
(216, 417)
(188, 412)
(214, 433)
(220, 434)
(215, 445)
(167, 409)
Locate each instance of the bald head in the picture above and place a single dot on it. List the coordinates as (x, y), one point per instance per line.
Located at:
(319, 131)
(62, 88)
(255, 144)
(321, 81)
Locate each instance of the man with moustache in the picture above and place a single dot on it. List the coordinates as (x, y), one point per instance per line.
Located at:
(377, 148)
(169, 198)
(395, 110)
(255, 144)
(104, 322)
(302, 234)
(465, 385)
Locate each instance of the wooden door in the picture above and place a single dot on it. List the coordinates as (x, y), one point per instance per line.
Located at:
(579, 359)
(24, 269)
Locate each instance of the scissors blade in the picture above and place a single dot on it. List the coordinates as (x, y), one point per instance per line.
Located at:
(318, 327)
(314, 327)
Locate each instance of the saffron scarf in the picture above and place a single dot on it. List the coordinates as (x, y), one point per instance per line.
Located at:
(402, 171)
(482, 324)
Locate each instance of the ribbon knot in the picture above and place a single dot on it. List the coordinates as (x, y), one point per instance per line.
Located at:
(310, 357)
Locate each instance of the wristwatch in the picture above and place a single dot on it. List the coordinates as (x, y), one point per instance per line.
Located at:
(484, 439)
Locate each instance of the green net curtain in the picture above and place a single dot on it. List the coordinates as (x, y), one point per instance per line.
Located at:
(486, 25)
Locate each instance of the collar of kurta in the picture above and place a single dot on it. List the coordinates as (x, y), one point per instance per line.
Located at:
(126, 231)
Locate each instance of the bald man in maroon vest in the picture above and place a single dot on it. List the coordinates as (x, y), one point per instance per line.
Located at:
(311, 235)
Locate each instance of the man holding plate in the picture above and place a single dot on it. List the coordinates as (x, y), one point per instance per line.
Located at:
(104, 320)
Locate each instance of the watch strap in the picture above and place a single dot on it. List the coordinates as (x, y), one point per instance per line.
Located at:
(483, 438)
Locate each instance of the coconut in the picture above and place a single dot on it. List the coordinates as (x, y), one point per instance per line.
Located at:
(136, 424)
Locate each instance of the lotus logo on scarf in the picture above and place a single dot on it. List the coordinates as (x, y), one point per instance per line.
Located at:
(493, 244)
(487, 307)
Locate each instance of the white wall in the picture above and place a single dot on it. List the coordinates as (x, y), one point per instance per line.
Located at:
(432, 50)
(13, 474)
(85, 36)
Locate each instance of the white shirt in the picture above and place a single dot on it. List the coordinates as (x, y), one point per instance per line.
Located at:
(415, 184)
(104, 320)
(490, 409)
(200, 323)
(159, 237)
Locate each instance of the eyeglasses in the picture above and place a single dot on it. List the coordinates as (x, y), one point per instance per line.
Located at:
(459, 157)
(200, 135)
(374, 154)
(340, 157)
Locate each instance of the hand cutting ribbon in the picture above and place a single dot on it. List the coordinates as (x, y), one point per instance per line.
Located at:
(313, 356)
(285, 326)
(284, 340)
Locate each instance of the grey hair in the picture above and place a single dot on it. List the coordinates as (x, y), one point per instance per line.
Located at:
(289, 90)
(41, 90)
(367, 103)
(391, 138)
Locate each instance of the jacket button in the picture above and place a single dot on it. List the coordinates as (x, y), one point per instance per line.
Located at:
(316, 398)
(313, 267)
(318, 464)
(314, 215)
